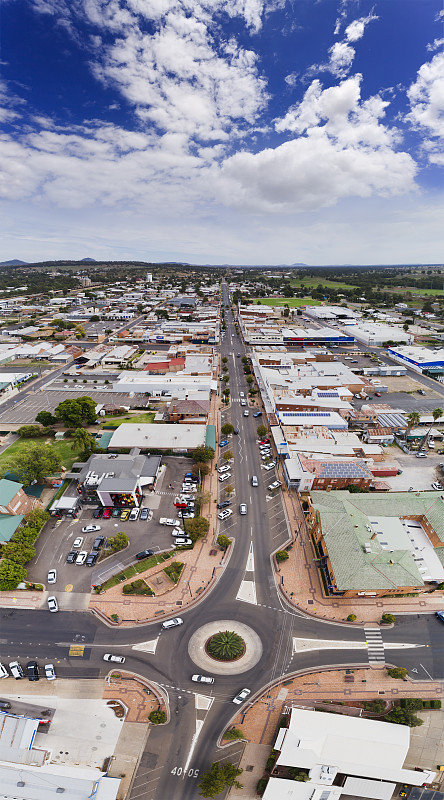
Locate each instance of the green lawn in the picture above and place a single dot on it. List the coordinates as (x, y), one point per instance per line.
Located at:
(147, 417)
(68, 454)
(135, 569)
(291, 302)
(312, 283)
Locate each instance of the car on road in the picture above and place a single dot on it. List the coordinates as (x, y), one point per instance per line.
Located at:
(224, 504)
(421, 454)
(78, 541)
(378, 394)
(236, 431)
(91, 528)
(3, 672)
(223, 443)
(52, 576)
(224, 468)
(275, 485)
(144, 554)
(97, 513)
(53, 604)
(98, 542)
(172, 623)
(167, 521)
(243, 402)
(134, 514)
(224, 477)
(107, 513)
(437, 486)
(254, 480)
(257, 414)
(183, 541)
(71, 557)
(227, 512)
(243, 508)
(271, 465)
(243, 694)
(50, 672)
(241, 394)
(81, 557)
(144, 514)
(202, 679)
(125, 514)
(246, 413)
(32, 671)
(16, 670)
(92, 558)
(114, 659)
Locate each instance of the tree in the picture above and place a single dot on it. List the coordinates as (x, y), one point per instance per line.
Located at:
(351, 617)
(228, 455)
(75, 413)
(227, 429)
(37, 518)
(226, 645)
(118, 542)
(261, 431)
(398, 672)
(388, 619)
(46, 418)
(229, 489)
(218, 777)
(82, 440)
(224, 360)
(233, 733)
(20, 552)
(249, 379)
(79, 331)
(286, 311)
(223, 541)
(200, 468)
(32, 463)
(29, 431)
(196, 528)
(413, 420)
(11, 574)
(402, 716)
(282, 555)
(202, 453)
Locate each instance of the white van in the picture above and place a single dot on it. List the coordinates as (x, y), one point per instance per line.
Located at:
(172, 623)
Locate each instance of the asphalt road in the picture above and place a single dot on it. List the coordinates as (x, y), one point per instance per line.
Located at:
(176, 754)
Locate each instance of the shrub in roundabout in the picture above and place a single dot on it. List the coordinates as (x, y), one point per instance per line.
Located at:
(226, 646)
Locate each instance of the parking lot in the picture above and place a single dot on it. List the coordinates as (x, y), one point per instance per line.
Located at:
(55, 542)
(417, 472)
(25, 411)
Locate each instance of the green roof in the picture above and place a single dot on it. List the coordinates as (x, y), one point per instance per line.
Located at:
(210, 437)
(105, 439)
(344, 517)
(8, 490)
(8, 525)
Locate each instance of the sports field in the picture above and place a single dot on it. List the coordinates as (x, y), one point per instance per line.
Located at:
(291, 302)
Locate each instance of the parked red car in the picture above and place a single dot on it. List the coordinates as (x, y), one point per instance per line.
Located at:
(107, 512)
(264, 441)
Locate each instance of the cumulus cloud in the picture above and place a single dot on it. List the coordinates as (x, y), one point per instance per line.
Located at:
(426, 96)
(435, 45)
(341, 149)
(341, 54)
(356, 29)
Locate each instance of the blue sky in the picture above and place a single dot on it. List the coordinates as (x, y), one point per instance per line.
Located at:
(223, 131)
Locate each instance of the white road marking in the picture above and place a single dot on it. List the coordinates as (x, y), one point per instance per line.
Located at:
(306, 645)
(199, 726)
(247, 592)
(146, 647)
(202, 702)
(250, 559)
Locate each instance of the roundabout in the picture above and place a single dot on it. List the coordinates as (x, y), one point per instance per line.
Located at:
(248, 660)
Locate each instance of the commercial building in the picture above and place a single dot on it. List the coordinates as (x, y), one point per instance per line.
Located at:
(341, 756)
(169, 386)
(374, 545)
(178, 438)
(420, 359)
(377, 333)
(116, 480)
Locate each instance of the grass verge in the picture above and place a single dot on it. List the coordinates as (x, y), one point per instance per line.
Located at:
(135, 569)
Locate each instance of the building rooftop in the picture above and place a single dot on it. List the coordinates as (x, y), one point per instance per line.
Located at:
(8, 490)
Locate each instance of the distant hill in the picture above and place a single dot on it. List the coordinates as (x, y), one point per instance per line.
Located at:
(14, 262)
(88, 261)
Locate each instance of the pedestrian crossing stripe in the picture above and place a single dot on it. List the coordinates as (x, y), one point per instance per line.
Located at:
(375, 646)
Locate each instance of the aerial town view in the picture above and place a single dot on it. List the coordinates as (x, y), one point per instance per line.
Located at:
(222, 400)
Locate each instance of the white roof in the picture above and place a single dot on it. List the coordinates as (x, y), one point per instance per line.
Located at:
(158, 436)
(355, 746)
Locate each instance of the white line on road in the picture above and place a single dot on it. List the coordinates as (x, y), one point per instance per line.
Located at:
(250, 559)
(199, 726)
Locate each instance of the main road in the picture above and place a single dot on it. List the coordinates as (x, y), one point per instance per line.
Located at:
(245, 594)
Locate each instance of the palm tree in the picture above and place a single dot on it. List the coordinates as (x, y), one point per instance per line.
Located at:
(82, 440)
(226, 645)
(413, 420)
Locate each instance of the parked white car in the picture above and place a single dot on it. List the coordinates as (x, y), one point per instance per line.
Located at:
(224, 477)
(50, 672)
(167, 521)
(77, 542)
(227, 512)
(224, 468)
(271, 465)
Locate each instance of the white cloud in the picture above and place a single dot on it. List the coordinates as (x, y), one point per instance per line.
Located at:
(426, 96)
(437, 44)
(345, 151)
(341, 59)
(291, 79)
(356, 29)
